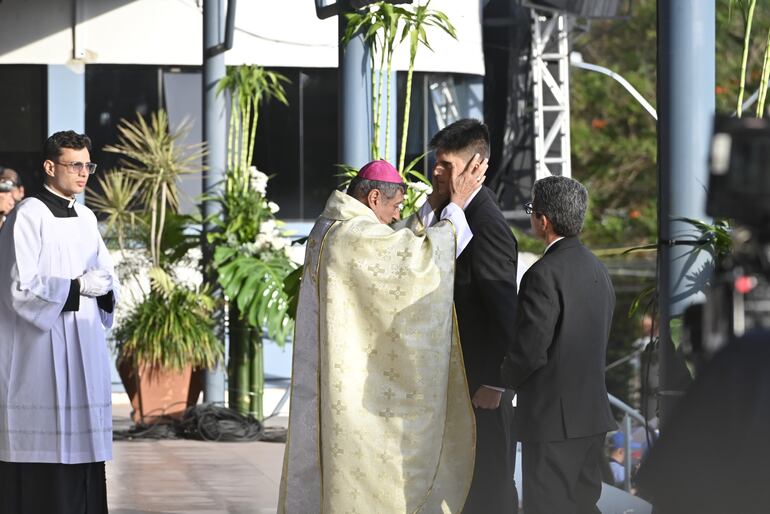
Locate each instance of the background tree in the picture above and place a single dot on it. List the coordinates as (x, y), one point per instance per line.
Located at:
(614, 141)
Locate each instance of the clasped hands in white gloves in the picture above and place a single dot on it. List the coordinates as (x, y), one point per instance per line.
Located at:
(96, 282)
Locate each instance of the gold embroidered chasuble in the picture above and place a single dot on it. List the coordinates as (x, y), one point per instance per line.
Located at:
(380, 418)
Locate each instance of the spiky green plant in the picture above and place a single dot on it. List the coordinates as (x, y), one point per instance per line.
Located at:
(152, 155)
(117, 202)
(173, 327)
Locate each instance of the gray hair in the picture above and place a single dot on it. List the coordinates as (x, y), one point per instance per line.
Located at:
(563, 201)
(360, 187)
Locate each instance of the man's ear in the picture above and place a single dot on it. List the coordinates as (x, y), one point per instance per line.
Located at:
(48, 167)
(373, 197)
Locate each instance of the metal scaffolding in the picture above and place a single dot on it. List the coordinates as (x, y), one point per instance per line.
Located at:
(550, 77)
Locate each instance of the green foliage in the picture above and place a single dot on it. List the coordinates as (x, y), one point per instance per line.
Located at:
(250, 253)
(740, 54)
(614, 141)
(247, 86)
(527, 243)
(256, 286)
(291, 285)
(117, 203)
(172, 328)
(414, 28)
(180, 235)
(251, 258)
(381, 23)
(154, 159)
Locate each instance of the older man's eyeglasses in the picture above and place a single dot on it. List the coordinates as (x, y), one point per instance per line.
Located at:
(529, 208)
(77, 166)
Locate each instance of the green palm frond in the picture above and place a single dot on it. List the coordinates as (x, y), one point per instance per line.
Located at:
(155, 158)
(117, 202)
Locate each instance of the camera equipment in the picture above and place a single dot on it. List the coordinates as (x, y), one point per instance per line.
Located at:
(739, 184)
(6, 186)
(738, 299)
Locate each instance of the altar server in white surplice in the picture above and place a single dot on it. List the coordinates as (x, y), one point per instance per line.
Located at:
(57, 294)
(381, 420)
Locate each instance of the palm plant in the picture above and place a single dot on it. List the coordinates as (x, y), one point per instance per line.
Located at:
(171, 326)
(153, 157)
(117, 203)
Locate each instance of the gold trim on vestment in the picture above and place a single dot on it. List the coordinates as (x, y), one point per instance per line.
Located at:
(318, 368)
(446, 403)
(459, 348)
(472, 414)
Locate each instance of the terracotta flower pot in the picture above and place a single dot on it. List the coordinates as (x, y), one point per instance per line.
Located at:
(158, 395)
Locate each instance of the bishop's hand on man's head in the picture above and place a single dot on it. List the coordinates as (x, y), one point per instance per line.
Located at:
(463, 183)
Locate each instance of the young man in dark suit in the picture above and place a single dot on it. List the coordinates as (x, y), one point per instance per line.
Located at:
(485, 300)
(556, 362)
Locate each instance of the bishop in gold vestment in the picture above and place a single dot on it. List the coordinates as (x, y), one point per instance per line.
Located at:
(380, 418)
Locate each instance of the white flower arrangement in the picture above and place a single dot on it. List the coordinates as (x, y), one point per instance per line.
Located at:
(421, 187)
(270, 240)
(258, 180)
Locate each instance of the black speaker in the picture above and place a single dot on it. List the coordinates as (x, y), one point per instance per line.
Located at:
(583, 8)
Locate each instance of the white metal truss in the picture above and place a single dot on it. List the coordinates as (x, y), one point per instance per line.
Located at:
(550, 80)
(444, 100)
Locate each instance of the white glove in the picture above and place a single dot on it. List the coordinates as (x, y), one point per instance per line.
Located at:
(96, 282)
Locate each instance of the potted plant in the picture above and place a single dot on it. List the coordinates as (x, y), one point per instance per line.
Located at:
(251, 256)
(169, 332)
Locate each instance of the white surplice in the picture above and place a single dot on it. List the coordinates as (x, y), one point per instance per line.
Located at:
(55, 386)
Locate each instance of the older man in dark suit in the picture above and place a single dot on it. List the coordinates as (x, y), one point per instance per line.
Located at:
(485, 299)
(556, 362)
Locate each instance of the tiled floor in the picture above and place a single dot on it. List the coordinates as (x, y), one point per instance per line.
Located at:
(180, 476)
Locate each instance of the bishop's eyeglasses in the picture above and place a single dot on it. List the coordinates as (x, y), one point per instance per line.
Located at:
(77, 166)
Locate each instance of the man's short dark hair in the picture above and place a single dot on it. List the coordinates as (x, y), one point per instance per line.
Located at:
(360, 187)
(65, 139)
(563, 201)
(463, 136)
(11, 175)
